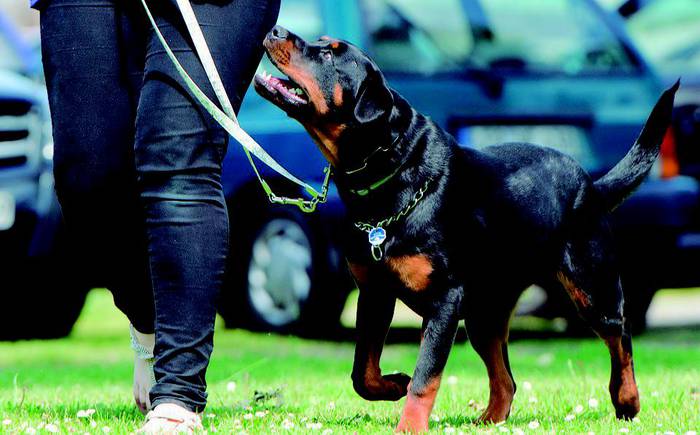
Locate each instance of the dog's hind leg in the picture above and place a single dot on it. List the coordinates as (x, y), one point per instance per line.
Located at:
(488, 335)
(590, 277)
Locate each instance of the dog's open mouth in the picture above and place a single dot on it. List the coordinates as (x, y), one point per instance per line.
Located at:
(278, 88)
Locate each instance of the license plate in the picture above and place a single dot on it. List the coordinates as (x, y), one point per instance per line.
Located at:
(7, 211)
(567, 139)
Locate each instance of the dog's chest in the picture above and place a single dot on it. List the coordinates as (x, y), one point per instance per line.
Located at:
(412, 272)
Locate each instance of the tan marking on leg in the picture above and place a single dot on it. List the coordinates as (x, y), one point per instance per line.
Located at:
(413, 270)
(416, 412)
(580, 298)
(501, 387)
(623, 386)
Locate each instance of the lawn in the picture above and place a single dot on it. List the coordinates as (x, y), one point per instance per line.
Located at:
(266, 384)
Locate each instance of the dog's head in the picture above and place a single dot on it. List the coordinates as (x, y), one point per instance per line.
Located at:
(333, 89)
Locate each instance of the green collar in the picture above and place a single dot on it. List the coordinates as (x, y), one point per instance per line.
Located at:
(375, 185)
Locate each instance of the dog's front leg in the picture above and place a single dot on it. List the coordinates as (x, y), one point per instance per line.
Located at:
(438, 337)
(375, 309)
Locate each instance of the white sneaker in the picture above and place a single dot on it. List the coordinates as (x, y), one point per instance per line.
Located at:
(144, 377)
(169, 418)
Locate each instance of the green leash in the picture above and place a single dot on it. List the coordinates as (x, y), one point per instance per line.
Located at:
(227, 118)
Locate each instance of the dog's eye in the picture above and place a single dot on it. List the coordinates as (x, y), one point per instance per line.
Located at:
(327, 55)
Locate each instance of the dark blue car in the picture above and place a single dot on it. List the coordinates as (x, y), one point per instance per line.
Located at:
(561, 73)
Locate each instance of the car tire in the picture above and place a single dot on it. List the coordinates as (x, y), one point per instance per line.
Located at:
(284, 275)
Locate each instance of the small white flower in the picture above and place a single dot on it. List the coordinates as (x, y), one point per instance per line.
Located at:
(331, 405)
(51, 428)
(534, 424)
(450, 430)
(248, 416)
(527, 386)
(85, 413)
(532, 399)
(545, 359)
(314, 426)
(669, 433)
(503, 429)
(591, 433)
(106, 429)
(569, 417)
(518, 431)
(260, 414)
(578, 409)
(593, 403)
(435, 417)
(231, 387)
(93, 424)
(654, 394)
(287, 424)
(237, 423)
(6, 422)
(452, 380)
(691, 432)
(624, 430)
(327, 432)
(30, 430)
(210, 415)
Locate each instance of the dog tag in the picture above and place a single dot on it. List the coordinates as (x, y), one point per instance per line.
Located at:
(377, 236)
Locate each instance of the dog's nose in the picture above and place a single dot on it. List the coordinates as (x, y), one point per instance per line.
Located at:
(278, 32)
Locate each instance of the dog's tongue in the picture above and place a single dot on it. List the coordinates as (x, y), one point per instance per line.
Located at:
(285, 87)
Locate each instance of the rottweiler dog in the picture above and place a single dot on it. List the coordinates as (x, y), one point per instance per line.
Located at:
(453, 232)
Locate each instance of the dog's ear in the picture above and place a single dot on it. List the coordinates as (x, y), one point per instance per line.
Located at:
(374, 99)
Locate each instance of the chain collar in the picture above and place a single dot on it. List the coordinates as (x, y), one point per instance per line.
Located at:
(377, 233)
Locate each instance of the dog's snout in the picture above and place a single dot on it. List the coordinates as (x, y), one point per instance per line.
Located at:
(278, 32)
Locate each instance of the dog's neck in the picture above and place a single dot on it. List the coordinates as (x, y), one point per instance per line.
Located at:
(397, 175)
(375, 157)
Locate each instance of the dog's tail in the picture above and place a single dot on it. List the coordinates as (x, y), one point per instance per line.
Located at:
(615, 186)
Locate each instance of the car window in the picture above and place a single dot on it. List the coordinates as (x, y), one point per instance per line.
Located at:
(410, 36)
(668, 33)
(545, 35)
(550, 35)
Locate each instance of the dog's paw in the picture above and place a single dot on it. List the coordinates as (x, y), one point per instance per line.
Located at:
(401, 380)
(390, 387)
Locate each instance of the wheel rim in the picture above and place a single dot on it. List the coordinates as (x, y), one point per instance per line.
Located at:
(279, 280)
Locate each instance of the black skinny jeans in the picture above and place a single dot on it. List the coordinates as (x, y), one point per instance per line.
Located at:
(138, 164)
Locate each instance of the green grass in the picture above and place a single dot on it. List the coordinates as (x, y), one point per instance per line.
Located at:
(49, 382)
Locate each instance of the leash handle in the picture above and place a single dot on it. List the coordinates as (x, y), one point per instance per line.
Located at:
(230, 122)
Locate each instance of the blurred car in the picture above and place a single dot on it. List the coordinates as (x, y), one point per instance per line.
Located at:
(668, 33)
(39, 299)
(561, 73)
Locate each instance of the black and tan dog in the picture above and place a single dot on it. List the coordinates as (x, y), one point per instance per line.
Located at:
(456, 233)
